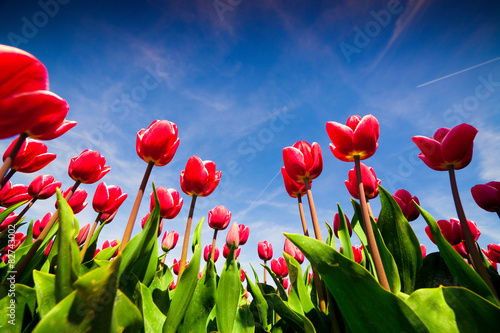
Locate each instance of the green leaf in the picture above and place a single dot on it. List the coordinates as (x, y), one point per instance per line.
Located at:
(244, 322)
(279, 285)
(160, 289)
(466, 276)
(434, 273)
(299, 322)
(197, 234)
(17, 306)
(228, 295)
(330, 240)
(454, 309)
(259, 301)
(183, 293)
(153, 317)
(345, 238)
(374, 309)
(68, 260)
(400, 239)
(45, 292)
(89, 254)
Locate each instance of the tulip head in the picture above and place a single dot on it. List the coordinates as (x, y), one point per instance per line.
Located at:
(424, 250)
(43, 187)
(8, 220)
(32, 156)
(169, 240)
(107, 199)
(265, 250)
(39, 225)
(279, 267)
(225, 252)
(208, 251)
(146, 218)
(336, 223)
(487, 196)
(370, 182)
(219, 218)
(14, 242)
(82, 234)
(111, 243)
(77, 201)
(303, 161)
(88, 167)
(11, 195)
(244, 232)
(170, 202)
(358, 253)
(158, 143)
(451, 231)
(176, 267)
(447, 149)
(405, 202)
(200, 177)
(293, 251)
(294, 189)
(359, 137)
(233, 237)
(494, 252)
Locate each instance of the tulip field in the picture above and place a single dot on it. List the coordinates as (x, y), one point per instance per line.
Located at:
(55, 278)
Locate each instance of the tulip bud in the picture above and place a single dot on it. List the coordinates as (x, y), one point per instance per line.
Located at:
(370, 182)
(39, 225)
(242, 275)
(219, 218)
(244, 232)
(358, 253)
(169, 240)
(208, 251)
(199, 178)
(82, 234)
(424, 250)
(293, 251)
(336, 223)
(286, 283)
(158, 143)
(487, 196)
(43, 187)
(107, 199)
(494, 252)
(11, 195)
(170, 202)
(265, 250)
(32, 156)
(405, 202)
(88, 167)
(278, 266)
(176, 266)
(233, 237)
(451, 231)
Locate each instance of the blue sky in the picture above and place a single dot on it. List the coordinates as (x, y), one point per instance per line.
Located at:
(244, 79)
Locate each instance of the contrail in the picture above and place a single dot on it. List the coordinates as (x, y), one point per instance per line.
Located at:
(463, 70)
(260, 194)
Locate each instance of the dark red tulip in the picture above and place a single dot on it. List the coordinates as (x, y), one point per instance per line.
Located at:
(88, 167)
(77, 201)
(423, 249)
(107, 199)
(200, 177)
(39, 225)
(303, 161)
(169, 240)
(293, 188)
(451, 231)
(158, 143)
(8, 219)
(487, 196)
(56, 131)
(278, 266)
(208, 251)
(358, 253)
(370, 182)
(43, 187)
(225, 251)
(82, 234)
(31, 157)
(405, 202)
(244, 232)
(265, 250)
(11, 195)
(494, 252)
(461, 249)
(336, 223)
(219, 218)
(359, 137)
(447, 148)
(170, 202)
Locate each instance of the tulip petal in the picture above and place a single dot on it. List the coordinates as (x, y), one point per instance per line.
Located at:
(365, 138)
(431, 149)
(457, 143)
(341, 137)
(294, 164)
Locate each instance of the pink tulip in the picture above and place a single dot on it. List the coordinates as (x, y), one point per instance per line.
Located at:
(219, 218)
(303, 161)
(265, 250)
(43, 187)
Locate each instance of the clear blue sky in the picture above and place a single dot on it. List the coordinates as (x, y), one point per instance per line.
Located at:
(244, 79)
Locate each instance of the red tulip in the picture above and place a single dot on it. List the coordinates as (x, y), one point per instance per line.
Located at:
(172, 286)
(39, 225)
(32, 156)
(107, 218)
(208, 251)
(14, 242)
(487, 196)
(43, 187)
(107, 199)
(370, 182)
(336, 223)
(278, 266)
(169, 240)
(233, 237)
(303, 161)
(494, 252)
(77, 201)
(219, 218)
(423, 249)
(358, 253)
(461, 249)
(293, 188)
(8, 220)
(286, 283)
(88, 167)
(82, 234)
(405, 202)
(11, 195)
(112, 243)
(144, 220)
(158, 143)
(244, 232)
(55, 131)
(170, 202)
(293, 251)
(176, 266)
(48, 248)
(359, 137)
(451, 231)
(225, 252)
(265, 250)
(242, 275)
(447, 148)
(200, 177)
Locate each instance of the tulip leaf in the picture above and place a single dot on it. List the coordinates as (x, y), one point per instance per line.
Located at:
(197, 234)
(152, 316)
(45, 291)
(17, 307)
(228, 295)
(279, 285)
(68, 259)
(160, 289)
(400, 239)
(434, 273)
(465, 275)
(375, 309)
(259, 301)
(345, 238)
(202, 302)
(244, 321)
(330, 240)
(89, 255)
(454, 309)
(297, 321)
(183, 293)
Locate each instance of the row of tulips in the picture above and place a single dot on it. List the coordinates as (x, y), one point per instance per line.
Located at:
(57, 279)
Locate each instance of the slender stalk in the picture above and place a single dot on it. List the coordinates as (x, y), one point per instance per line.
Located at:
(20, 216)
(212, 253)
(369, 209)
(372, 244)
(265, 264)
(185, 245)
(469, 240)
(302, 217)
(8, 177)
(135, 207)
(36, 244)
(89, 237)
(8, 161)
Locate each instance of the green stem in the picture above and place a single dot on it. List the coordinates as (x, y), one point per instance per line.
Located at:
(185, 245)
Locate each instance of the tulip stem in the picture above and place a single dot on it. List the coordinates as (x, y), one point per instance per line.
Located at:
(8, 176)
(8, 161)
(469, 240)
(302, 216)
(265, 277)
(212, 253)
(185, 244)
(372, 244)
(89, 237)
(36, 244)
(20, 216)
(135, 207)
